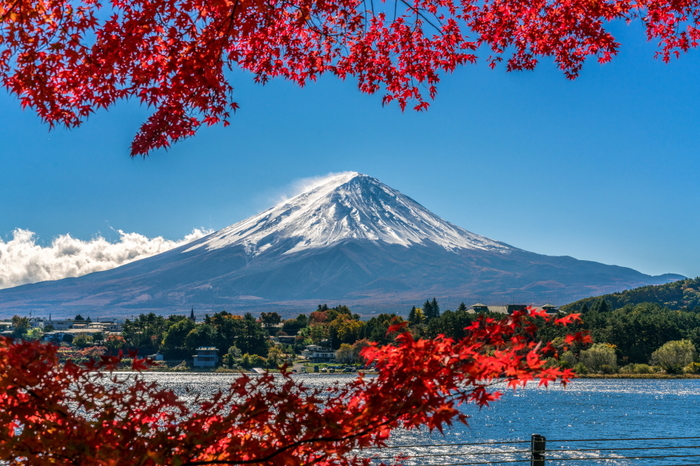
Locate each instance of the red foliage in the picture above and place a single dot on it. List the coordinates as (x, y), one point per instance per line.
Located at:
(67, 58)
(88, 415)
(91, 352)
(318, 317)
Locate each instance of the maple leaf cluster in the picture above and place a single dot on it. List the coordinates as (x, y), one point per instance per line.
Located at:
(67, 58)
(52, 413)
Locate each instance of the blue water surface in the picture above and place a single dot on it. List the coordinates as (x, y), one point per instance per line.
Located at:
(590, 422)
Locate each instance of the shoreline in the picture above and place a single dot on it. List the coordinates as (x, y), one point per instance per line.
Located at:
(638, 376)
(578, 376)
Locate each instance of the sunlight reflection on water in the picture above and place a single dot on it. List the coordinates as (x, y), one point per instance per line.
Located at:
(587, 409)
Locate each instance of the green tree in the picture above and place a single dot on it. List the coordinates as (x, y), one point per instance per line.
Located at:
(601, 306)
(228, 328)
(257, 361)
(319, 333)
(232, 356)
(416, 316)
(34, 334)
(599, 357)
(253, 338)
(461, 319)
(428, 310)
(436, 308)
(376, 328)
(270, 319)
(443, 324)
(431, 309)
(637, 330)
(174, 338)
(350, 354)
(567, 360)
(276, 356)
(292, 326)
(345, 329)
(173, 319)
(83, 340)
(201, 335)
(673, 356)
(145, 332)
(344, 354)
(20, 326)
(449, 323)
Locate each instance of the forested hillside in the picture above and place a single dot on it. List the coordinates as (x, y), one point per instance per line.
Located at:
(679, 295)
(635, 327)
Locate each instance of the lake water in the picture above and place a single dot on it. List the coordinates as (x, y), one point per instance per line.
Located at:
(590, 422)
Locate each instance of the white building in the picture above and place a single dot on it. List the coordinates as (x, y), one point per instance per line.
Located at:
(315, 353)
(206, 357)
(63, 324)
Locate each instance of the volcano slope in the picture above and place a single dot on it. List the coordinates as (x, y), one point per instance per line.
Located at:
(349, 240)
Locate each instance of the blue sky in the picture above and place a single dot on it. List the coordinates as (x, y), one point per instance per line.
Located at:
(603, 168)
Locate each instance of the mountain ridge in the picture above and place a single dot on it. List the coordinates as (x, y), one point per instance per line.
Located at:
(349, 239)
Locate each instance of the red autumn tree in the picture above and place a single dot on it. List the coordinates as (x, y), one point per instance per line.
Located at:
(86, 415)
(67, 58)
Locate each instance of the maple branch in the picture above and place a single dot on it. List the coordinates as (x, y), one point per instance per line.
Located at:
(419, 13)
(229, 21)
(39, 398)
(299, 443)
(9, 10)
(398, 412)
(70, 459)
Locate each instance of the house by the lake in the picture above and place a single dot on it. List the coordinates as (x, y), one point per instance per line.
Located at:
(316, 353)
(207, 356)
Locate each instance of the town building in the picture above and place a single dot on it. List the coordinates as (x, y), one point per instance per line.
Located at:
(207, 356)
(478, 307)
(316, 353)
(510, 308)
(285, 339)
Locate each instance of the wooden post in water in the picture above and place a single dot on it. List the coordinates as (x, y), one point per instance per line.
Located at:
(537, 449)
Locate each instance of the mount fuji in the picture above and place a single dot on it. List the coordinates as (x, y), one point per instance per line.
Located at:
(350, 239)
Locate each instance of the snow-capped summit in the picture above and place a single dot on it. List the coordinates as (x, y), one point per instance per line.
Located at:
(348, 239)
(340, 207)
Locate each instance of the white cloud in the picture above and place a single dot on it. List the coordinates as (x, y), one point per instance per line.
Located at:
(23, 261)
(299, 186)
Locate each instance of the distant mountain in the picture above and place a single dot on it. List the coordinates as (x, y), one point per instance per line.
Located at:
(350, 240)
(678, 295)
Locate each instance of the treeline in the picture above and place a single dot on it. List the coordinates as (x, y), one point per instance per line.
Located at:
(627, 338)
(177, 336)
(631, 327)
(245, 340)
(631, 339)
